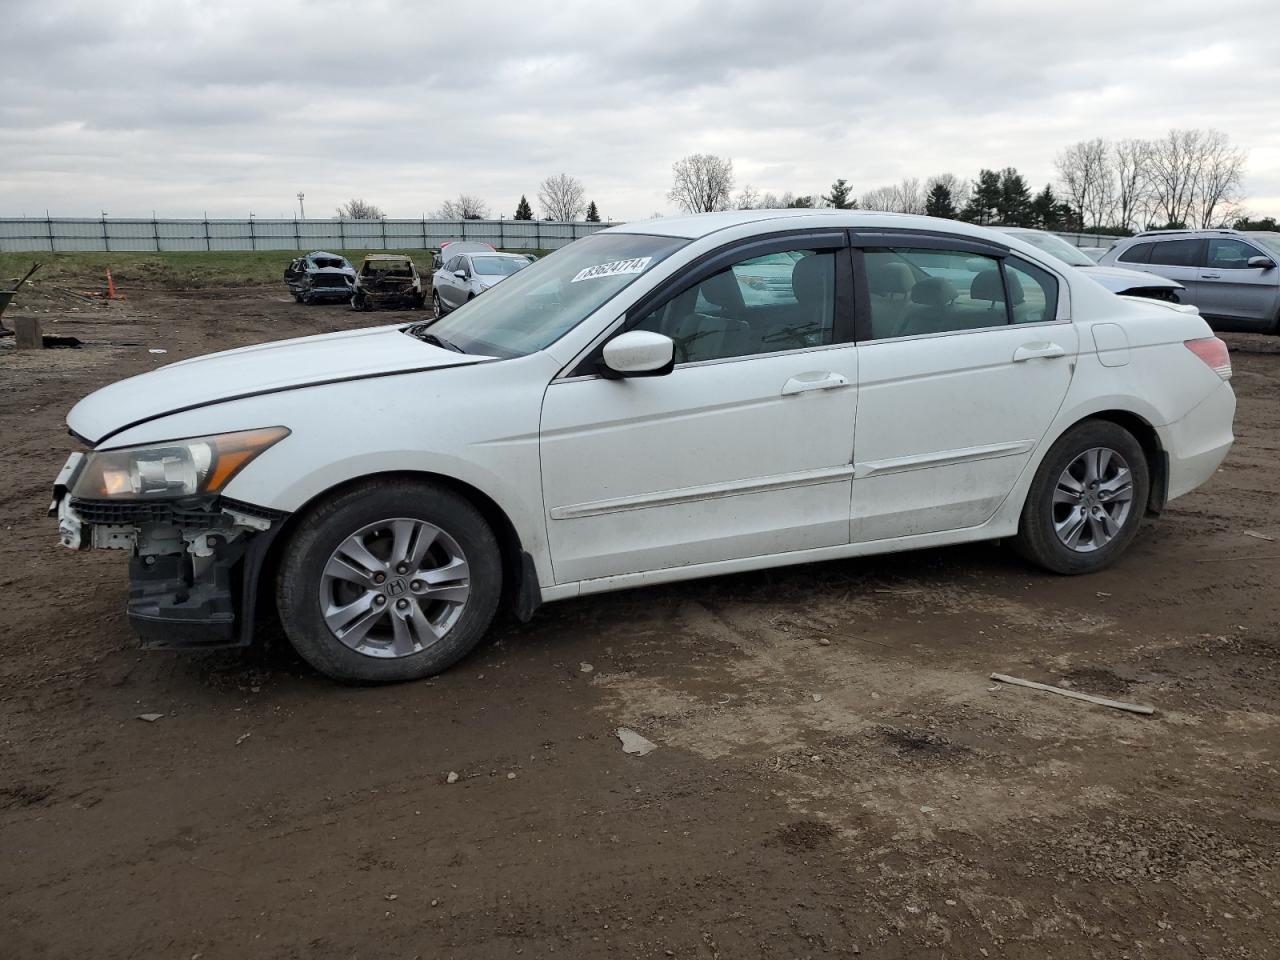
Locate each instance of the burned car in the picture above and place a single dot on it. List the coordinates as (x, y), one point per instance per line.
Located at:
(387, 281)
(320, 276)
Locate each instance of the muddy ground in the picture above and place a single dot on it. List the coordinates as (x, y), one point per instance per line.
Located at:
(836, 775)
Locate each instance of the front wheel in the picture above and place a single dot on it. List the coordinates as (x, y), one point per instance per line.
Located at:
(1086, 501)
(437, 307)
(389, 581)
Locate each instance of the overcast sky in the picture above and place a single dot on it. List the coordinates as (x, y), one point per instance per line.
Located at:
(230, 107)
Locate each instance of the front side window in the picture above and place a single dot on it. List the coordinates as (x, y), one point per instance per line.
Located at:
(779, 301)
(1177, 253)
(1227, 254)
(538, 305)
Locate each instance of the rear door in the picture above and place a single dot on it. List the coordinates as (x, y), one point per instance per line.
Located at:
(1228, 287)
(965, 362)
(1179, 260)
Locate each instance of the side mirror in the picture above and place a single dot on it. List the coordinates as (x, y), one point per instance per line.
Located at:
(1263, 263)
(638, 353)
(460, 274)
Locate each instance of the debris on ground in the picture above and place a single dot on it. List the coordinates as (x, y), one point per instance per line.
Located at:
(585, 667)
(632, 742)
(242, 738)
(452, 777)
(1074, 694)
(1259, 536)
(150, 717)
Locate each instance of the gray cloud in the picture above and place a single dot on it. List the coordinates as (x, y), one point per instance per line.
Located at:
(184, 107)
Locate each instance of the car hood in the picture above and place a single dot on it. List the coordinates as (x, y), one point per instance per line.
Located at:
(1117, 279)
(251, 371)
(344, 271)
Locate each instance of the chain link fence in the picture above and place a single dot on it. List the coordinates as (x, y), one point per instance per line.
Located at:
(31, 234)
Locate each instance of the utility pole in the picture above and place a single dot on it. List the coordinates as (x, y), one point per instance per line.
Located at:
(302, 213)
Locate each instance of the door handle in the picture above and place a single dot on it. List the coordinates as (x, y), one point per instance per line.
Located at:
(1038, 351)
(814, 380)
(1210, 276)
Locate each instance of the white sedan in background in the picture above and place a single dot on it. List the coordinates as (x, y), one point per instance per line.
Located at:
(628, 411)
(467, 275)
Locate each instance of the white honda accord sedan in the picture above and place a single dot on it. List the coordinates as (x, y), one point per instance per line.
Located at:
(659, 401)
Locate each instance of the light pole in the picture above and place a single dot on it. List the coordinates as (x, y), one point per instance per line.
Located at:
(302, 213)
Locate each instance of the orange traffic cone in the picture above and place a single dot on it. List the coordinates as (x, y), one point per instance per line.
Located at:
(111, 288)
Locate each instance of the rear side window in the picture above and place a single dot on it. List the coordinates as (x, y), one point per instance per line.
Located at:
(1033, 292)
(1230, 255)
(1177, 253)
(915, 291)
(1138, 253)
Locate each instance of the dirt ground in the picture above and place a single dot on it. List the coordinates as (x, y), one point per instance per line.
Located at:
(836, 775)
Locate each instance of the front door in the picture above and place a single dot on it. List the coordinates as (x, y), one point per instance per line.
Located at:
(743, 450)
(1228, 287)
(963, 368)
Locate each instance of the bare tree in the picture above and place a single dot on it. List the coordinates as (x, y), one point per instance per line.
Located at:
(1174, 165)
(905, 197)
(1218, 181)
(1133, 182)
(356, 209)
(771, 201)
(466, 207)
(701, 183)
(748, 199)
(562, 197)
(1087, 178)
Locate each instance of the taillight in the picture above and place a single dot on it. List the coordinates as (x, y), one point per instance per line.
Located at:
(1213, 352)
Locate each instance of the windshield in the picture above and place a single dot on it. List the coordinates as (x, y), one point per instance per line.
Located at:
(1058, 247)
(542, 302)
(497, 266)
(1269, 240)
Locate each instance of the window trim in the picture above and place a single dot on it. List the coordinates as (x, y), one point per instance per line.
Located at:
(844, 322)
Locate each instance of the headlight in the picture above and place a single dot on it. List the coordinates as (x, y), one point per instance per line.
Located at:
(182, 468)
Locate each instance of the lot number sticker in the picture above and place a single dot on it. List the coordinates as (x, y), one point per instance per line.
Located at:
(614, 269)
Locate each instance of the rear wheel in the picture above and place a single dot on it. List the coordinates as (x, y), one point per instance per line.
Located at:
(389, 581)
(1086, 501)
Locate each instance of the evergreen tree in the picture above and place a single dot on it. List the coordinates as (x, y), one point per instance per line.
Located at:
(1048, 212)
(593, 215)
(1014, 206)
(840, 198)
(985, 200)
(803, 203)
(523, 210)
(940, 202)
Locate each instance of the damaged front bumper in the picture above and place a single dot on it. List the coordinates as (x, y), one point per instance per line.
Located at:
(194, 566)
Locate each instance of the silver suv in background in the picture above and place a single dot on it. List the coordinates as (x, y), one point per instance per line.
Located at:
(1128, 283)
(1230, 275)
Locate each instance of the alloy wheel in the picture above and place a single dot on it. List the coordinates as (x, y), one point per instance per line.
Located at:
(1092, 500)
(394, 587)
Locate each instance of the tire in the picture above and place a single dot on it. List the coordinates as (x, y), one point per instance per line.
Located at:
(436, 306)
(330, 563)
(358, 302)
(297, 297)
(1073, 531)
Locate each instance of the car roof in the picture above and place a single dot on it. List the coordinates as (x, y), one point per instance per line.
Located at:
(697, 225)
(322, 253)
(400, 257)
(491, 253)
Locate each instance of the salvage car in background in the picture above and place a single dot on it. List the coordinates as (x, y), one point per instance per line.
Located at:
(387, 281)
(320, 276)
(451, 248)
(1230, 275)
(620, 414)
(467, 275)
(1129, 283)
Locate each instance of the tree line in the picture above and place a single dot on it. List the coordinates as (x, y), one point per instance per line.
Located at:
(561, 197)
(1188, 178)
